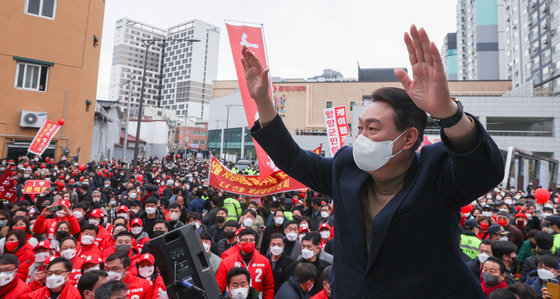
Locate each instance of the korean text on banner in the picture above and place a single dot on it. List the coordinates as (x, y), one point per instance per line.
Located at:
(36, 186)
(251, 185)
(8, 185)
(43, 137)
(336, 126)
(252, 38)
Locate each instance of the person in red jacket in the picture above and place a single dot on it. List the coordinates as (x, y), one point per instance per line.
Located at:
(250, 259)
(325, 293)
(325, 231)
(136, 228)
(147, 270)
(43, 225)
(117, 269)
(103, 237)
(10, 286)
(16, 244)
(58, 272)
(86, 246)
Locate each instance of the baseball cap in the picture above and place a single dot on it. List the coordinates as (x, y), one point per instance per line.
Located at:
(470, 224)
(497, 230)
(136, 221)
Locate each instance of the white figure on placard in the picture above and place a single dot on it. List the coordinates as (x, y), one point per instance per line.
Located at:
(244, 42)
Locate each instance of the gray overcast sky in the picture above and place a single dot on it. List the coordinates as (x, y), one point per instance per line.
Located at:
(302, 37)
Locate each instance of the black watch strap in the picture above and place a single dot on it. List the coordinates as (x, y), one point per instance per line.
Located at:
(454, 119)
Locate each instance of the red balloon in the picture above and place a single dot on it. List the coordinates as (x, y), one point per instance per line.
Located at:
(467, 209)
(178, 156)
(81, 167)
(542, 195)
(61, 122)
(110, 174)
(140, 177)
(52, 162)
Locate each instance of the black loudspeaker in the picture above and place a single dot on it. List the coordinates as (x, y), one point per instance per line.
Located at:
(183, 264)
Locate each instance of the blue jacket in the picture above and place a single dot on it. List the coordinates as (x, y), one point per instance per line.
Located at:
(197, 205)
(414, 248)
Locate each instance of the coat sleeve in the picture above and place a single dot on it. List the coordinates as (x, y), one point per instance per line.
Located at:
(74, 224)
(461, 178)
(221, 276)
(308, 168)
(40, 226)
(268, 288)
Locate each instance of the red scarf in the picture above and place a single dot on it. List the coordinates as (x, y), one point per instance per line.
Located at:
(487, 290)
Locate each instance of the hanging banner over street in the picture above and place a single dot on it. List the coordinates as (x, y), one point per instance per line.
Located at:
(251, 185)
(43, 137)
(8, 185)
(252, 38)
(36, 186)
(318, 150)
(337, 127)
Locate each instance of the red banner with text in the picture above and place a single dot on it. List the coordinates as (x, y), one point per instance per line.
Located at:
(36, 186)
(8, 185)
(251, 185)
(252, 38)
(43, 137)
(337, 127)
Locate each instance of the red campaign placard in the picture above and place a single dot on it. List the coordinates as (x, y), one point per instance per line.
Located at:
(332, 130)
(8, 185)
(36, 186)
(342, 124)
(252, 38)
(251, 185)
(43, 137)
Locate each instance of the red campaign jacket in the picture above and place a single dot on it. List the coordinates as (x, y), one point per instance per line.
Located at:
(14, 290)
(76, 272)
(68, 292)
(43, 225)
(321, 295)
(26, 259)
(233, 250)
(103, 237)
(259, 268)
(85, 250)
(138, 288)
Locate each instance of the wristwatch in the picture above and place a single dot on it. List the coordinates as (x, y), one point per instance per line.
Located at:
(454, 119)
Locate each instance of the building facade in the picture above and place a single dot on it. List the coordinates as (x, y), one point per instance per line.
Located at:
(449, 55)
(181, 65)
(192, 137)
(48, 68)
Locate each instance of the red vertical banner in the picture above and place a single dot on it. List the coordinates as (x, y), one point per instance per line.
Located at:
(252, 38)
(341, 123)
(43, 137)
(8, 185)
(336, 126)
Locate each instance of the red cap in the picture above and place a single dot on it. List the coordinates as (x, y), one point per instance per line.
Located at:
(49, 259)
(65, 202)
(239, 231)
(147, 257)
(44, 245)
(123, 208)
(324, 225)
(136, 221)
(520, 215)
(72, 181)
(303, 229)
(97, 213)
(93, 259)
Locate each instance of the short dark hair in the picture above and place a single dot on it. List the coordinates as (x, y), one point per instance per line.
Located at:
(88, 280)
(124, 233)
(232, 223)
(205, 236)
(502, 294)
(501, 248)
(9, 259)
(277, 236)
(548, 260)
(119, 255)
(532, 233)
(497, 261)
(89, 226)
(222, 209)
(194, 216)
(523, 290)
(406, 114)
(291, 222)
(486, 242)
(313, 236)
(249, 211)
(174, 205)
(109, 288)
(304, 272)
(237, 271)
(325, 275)
(65, 262)
(248, 231)
(544, 240)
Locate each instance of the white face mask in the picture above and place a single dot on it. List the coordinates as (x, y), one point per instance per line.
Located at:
(545, 275)
(132, 195)
(78, 214)
(239, 293)
(146, 272)
(174, 216)
(55, 281)
(247, 222)
(546, 214)
(150, 210)
(206, 247)
(291, 236)
(93, 221)
(69, 253)
(279, 220)
(325, 214)
(276, 250)
(197, 225)
(123, 215)
(325, 234)
(504, 238)
(307, 254)
(7, 277)
(482, 257)
(113, 203)
(487, 214)
(87, 239)
(136, 230)
(60, 214)
(517, 197)
(40, 257)
(134, 211)
(371, 155)
(111, 275)
(504, 210)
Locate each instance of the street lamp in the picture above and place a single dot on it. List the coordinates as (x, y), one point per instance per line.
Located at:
(148, 43)
(227, 125)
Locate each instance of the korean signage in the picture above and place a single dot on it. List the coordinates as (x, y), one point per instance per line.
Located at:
(337, 127)
(36, 186)
(289, 88)
(43, 137)
(8, 185)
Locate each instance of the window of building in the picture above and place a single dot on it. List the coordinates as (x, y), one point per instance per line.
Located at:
(31, 76)
(42, 8)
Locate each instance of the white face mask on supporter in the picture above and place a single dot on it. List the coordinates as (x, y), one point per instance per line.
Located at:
(325, 234)
(482, 257)
(325, 214)
(146, 272)
(174, 216)
(123, 215)
(247, 222)
(276, 250)
(69, 254)
(7, 277)
(55, 281)
(545, 275)
(291, 236)
(279, 220)
(111, 275)
(93, 221)
(206, 247)
(78, 214)
(371, 155)
(40, 257)
(239, 293)
(487, 214)
(150, 210)
(87, 239)
(136, 230)
(307, 254)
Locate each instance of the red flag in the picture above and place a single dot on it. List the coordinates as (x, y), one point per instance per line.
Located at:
(318, 150)
(8, 185)
(337, 127)
(252, 37)
(43, 137)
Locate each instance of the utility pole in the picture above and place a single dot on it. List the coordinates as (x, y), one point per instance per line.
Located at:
(125, 139)
(227, 125)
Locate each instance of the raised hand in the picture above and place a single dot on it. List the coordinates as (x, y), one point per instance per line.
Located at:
(429, 90)
(255, 75)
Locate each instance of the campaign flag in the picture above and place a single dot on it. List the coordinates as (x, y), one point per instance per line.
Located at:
(318, 150)
(36, 186)
(43, 137)
(250, 185)
(252, 38)
(8, 185)
(336, 126)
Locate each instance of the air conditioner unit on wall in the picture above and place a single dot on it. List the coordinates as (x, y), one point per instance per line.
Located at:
(32, 119)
